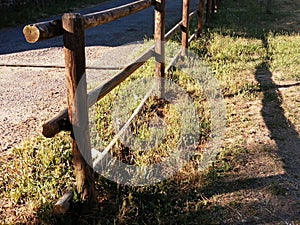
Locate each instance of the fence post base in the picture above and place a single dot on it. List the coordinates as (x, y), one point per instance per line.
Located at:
(74, 48)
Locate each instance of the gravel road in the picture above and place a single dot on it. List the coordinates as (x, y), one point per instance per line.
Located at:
(30, 96)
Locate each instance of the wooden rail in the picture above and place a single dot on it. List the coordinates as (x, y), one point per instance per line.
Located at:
(74, 48)
(61, 123)
(75, 117)
(49, 29)
(96, 19)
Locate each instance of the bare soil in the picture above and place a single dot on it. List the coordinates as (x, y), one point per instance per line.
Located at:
(29, 96)
(262, 187)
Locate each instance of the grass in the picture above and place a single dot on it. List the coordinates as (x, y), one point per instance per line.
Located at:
(247, 183)
(32, 12)
(284, 53)
(32, 176)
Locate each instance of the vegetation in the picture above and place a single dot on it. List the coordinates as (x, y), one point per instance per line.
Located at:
(254, 179)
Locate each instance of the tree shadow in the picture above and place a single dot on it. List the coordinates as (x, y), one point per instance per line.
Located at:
(283, 187)
(281, 129)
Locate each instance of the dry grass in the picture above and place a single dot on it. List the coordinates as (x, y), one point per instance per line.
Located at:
(255, 178)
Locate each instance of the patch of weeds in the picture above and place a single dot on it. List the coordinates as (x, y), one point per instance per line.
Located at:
(284, 50)
(38, 174)
(250, 90)
(232, 60)
(155, 114)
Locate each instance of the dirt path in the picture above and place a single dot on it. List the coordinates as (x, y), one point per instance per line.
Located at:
(29, 96)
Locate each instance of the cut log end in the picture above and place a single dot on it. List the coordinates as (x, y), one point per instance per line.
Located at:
(31, 33)
(50, 130)
(59, 123)
(63, 204)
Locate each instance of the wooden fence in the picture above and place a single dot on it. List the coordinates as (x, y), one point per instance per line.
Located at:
(72, 27)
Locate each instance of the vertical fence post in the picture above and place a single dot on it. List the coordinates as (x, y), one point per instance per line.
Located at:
(200, 18)
(185, 27)
(159, 37)
(74, 48)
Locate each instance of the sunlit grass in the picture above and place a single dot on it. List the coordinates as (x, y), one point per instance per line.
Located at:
(284, 50)
(39, 172)
(34, 176)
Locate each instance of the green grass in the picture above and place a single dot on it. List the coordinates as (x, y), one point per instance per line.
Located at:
(35, 175)
(235, 48)
(43, 166)
(31, 13)
(284, 50)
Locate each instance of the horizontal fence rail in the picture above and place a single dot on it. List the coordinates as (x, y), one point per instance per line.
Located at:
(49, 29)
(96, 19)
(60, 122)
(72, 27)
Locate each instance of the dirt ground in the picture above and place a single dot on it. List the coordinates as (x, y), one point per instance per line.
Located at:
(263, 187)
(30, 96)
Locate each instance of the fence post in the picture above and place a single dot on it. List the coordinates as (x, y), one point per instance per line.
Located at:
(200, 18)
(159, 37)
(74, 48)
(185, 27)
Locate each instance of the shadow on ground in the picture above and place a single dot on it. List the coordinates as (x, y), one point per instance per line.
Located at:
(188, 203)
(281, 206)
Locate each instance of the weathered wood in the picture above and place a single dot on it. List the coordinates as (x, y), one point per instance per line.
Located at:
(63, 204)
(185, 26)
(42, 31)
(170, 34)
(98, 18)
(74, 48)
(200, 18)
(57, 124)
(61, 122)
(46, 30)
(159, 38)
(123, 129)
